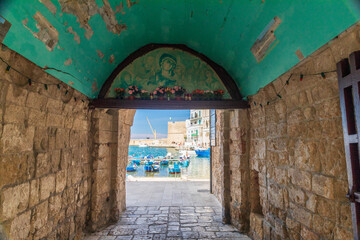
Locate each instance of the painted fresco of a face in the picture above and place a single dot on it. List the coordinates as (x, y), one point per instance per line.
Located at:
(168, 64)
(169, 67)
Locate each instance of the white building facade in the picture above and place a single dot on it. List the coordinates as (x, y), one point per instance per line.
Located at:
(198, 128)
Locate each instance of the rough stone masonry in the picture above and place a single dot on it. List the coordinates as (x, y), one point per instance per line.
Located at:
(57, 157)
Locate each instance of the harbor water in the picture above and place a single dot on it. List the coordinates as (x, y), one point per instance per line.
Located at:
(199, 167)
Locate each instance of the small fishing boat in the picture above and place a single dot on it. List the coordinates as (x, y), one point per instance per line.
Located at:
(131, 168)
(203, 152)
(184, 157)
(156, 168)
(143, 145)
(148, 167)
(152, 167)
(149, 162)
(175, 169)
(136, 161)
(164, 162)
(185, 163)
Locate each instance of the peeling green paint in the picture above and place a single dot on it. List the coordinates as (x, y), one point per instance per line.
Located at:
(222, 30)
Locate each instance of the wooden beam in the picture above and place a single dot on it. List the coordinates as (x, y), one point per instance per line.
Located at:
(224, 76)
(164, 104)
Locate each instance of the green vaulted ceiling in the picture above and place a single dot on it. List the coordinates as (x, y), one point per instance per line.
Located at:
(89, 38)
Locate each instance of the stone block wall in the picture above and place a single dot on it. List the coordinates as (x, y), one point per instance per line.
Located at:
(62, 165)
(111, 131)
(45, 172)
(297, 150)
(230, 166)
(104, 129)
(239, 177)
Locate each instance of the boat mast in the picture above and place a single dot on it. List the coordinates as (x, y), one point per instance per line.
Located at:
(153, 130)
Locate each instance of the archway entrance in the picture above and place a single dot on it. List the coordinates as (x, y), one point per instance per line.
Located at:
(171, 209)
(171, 77)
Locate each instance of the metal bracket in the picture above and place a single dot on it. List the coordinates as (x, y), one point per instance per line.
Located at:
(351, 195)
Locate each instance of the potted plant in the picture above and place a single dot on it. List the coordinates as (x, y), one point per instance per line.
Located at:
(144, 94)
(160, 92)
(179, 91)
(218, 94)
(133, 91)
(208, 95)
(198, 94)
(169, 92)
(119, 93)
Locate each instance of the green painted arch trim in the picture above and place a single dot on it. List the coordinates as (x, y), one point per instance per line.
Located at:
(224, 76)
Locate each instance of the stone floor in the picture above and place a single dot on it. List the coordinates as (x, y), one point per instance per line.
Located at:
(169, 210)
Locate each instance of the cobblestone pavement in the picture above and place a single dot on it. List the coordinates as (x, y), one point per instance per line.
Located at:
(169, 223)
(169, 210)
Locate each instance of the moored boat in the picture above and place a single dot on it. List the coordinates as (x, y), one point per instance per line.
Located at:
(136, 161)
(185, 163)
(155, 168)
(151, 167)
(175, 169)
(148, 167)
(203, 152)
(131, 168)
(164, 162)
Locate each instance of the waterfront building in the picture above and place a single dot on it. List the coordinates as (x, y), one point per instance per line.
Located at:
(176, 136)
(198, 128)
(176, 133)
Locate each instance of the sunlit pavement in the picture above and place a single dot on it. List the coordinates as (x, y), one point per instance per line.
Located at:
(169, 210)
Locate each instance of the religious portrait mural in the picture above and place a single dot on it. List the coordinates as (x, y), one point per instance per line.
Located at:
(168, 67)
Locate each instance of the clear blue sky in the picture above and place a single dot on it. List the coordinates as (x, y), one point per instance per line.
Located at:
(158, 120)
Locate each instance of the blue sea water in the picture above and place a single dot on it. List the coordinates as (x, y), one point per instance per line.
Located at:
(199, 168)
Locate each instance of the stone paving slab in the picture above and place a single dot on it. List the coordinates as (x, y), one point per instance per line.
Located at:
(169, 210)
(153, 223)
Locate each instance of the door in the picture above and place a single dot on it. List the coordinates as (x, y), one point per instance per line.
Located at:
(349, 85)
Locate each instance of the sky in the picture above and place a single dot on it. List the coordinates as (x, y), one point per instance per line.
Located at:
(158, 120)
